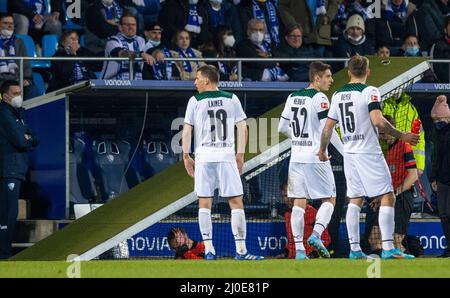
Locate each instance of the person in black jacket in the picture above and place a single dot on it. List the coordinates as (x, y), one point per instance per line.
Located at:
(66, 73)
(102, 22)
(441, 50)
(353, 41)
(440, 169)
(16, 140)
(292, 47)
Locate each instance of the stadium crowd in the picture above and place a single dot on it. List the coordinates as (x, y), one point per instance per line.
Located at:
(156, 30)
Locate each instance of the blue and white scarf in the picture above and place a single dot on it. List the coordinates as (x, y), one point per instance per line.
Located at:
(113, 12)
(163, 70)
(227, 69)
(392, 11)
(273, 27)
(193, 21)
(276, 73)
(79, 73)
(320, 7)
(124, 72)
(37, 6)
(342, 13)
(189, 53)
(365, 12)
(7, 49)
(217, 16)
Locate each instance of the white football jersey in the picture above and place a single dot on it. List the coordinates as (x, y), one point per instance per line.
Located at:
(304, 109)
(351, 106)
(213, 114)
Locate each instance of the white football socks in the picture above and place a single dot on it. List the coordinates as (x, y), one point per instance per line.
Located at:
(352, 222)
(239, 229)
(387, 224)
(323, 218)
(205, 223)
(297, 225)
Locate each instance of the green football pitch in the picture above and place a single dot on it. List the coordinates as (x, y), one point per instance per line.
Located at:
(332, 268)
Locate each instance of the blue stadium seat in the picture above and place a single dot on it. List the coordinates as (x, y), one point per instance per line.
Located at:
(31, 50)
(49, 46)
(3, 4)
(157, 156)
(39, 83)
(83, 40)
(82, 188)
(110, 161)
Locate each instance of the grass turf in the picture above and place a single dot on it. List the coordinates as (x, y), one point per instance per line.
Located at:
(334, 268)
(165, 187)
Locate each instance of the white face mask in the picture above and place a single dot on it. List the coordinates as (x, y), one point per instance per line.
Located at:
(6, 33)
(357, 39)
(229, 41)
(17, 101)
(107, 2)
(193, 1)
(154, 43)
(257, 37)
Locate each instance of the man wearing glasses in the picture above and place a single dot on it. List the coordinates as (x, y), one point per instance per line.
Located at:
(125, 44)
(292, 47)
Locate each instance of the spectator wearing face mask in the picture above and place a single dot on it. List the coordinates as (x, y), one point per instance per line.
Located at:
(398, 20)
(353, 41)
(441, 50)
(102, 22)
(410, 47)
(186, 15)
(266, 11)
(12, 46)
(161, 69)
(222, 46)
(256, 47)
(222, 13)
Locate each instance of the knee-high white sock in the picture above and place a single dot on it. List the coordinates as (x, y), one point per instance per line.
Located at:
(352, 222)
(239, 229)
(205, 223)
(387, 224)
(298, 226)
(323, 218)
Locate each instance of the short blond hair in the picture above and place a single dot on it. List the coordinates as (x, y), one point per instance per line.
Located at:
(358, 66)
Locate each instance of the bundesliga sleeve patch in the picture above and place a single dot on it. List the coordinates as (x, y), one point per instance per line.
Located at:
(374, 98)
(324, 105)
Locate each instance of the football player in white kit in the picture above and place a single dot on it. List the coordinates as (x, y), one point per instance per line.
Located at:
(302, 120)
(213, 114)
(356, 106)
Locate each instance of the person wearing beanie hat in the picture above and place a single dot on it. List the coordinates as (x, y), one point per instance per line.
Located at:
(353, 40)
(440, 168)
